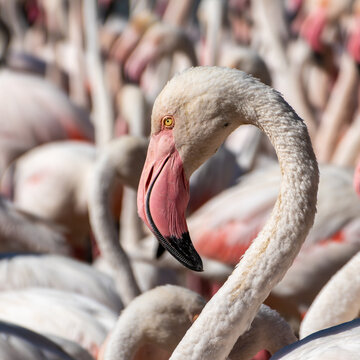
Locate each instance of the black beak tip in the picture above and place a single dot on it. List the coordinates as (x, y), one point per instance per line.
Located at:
(197, 266)
(183, 251)
(192, 262)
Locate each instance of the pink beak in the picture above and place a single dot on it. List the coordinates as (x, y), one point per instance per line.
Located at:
(312, 29)
(163, 196)
(353, 44)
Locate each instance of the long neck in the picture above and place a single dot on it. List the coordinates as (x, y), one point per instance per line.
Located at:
(132, 107)
(125, 339)
(186, 46)
(103, 112)
(104, 229)
(268, 331)
(77, 78)
(347, 150)
(337, 302)
(230, 312)
(130, 223)
(337, 109)
(214, 11)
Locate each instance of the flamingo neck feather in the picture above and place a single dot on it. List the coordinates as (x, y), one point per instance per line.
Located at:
(125, 339)
(102, 182)
(231, 310)
(268, 331)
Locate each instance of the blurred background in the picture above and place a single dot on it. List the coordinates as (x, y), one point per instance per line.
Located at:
(78, 79)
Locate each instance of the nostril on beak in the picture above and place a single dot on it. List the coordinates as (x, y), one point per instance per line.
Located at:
(149, 179)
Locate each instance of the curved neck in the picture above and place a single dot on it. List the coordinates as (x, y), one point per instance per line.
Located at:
(268, 331)
(186, 46)
(125, 339)
(4, 41)
(231, 310)
(130, 223)
(339, 108)
(132, 106)
(104, 229)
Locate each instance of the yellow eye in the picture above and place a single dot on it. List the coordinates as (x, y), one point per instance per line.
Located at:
(168, 121)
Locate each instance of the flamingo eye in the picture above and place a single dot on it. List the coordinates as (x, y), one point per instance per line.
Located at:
(168, 122)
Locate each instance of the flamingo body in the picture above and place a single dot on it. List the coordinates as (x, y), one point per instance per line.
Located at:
(63, 166)
(45, 114)
(337, 342)
(58, 272)
(21, 231)
(68, 315)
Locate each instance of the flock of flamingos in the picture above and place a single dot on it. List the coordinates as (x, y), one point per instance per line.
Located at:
(179, 179)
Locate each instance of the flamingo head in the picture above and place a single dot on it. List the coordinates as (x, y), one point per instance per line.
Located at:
(191, 117)
(312, 28)
(353, 43)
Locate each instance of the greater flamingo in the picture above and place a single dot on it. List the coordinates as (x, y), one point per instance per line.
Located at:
(68, 167)
(18, 342)
(337, 342)
(337, 302)
(45, 114)
(158, 41)
(60, 313)
(154, 323)
(25, 232)
(109, 169)
(158, 317)
(64, 166)
(191, 117)
(224, 228)
(21, 271)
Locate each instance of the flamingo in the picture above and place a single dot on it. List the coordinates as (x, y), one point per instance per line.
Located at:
(68, 167)
(18, 343)
(337, 302)
(159, 317)
(348, 147)
(154, 323)
(191, 117)
(320, 28)
(58, 272)
(46, 114)
(132, 34)
(159, 40)
(225, 235)
(178, 13)
(238, 154)
(337, 342)
(341, 98)
(64, 166)
(286, 64)
(245, 59)
(71, 168)
(356, 182)
(109, 168)
(122, 160)
(60, 313)
(319, 14)
(25, 232)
